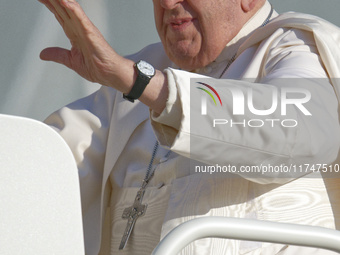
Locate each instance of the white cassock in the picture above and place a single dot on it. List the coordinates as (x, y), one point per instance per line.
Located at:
(113, 139)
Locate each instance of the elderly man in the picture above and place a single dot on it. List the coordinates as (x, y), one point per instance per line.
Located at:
(135, 191)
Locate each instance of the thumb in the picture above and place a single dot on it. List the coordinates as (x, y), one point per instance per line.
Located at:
(56, 54)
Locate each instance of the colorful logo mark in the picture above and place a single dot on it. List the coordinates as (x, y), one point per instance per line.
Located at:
(209, 90)
(209, 93)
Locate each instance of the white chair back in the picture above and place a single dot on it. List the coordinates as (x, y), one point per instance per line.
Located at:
(40, 210)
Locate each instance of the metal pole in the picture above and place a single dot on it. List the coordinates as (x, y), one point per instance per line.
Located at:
(246, 229)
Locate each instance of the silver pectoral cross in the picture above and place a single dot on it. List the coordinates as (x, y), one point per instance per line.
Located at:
(132, 213)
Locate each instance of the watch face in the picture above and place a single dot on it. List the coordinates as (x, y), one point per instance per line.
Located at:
(146, 68)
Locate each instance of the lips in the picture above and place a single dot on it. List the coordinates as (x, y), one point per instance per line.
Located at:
(180, 24)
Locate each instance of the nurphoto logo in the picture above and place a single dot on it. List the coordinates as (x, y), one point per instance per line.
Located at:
(242, 100)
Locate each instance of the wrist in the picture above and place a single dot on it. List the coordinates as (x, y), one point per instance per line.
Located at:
(145, 72)
(156, 93)
(122, 75)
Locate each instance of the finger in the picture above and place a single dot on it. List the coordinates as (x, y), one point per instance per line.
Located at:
(56, 54)
(77, 14)
(52, 9)
(60, 8)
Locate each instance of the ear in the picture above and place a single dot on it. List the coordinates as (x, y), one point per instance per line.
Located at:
(249, 5)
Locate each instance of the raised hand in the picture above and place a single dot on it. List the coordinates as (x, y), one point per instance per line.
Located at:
(90, 56)
(94, 59)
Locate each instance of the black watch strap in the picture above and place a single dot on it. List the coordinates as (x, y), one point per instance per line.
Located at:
(145, 72)
(138, 88)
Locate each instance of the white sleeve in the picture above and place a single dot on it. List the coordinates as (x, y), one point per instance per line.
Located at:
(315, 140)
(84, 124)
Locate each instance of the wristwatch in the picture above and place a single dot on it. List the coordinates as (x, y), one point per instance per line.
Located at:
(145, 72)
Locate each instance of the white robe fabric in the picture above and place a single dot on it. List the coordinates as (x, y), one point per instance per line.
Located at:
(112, 142)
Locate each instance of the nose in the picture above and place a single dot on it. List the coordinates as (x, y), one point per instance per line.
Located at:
(169, 4)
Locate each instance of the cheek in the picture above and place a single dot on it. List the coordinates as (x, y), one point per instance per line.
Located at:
(209, 41)
(217, 33)
(157, 22)
(158, 16)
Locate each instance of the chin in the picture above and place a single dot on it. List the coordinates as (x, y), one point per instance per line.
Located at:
(190, 63)
(184, 57)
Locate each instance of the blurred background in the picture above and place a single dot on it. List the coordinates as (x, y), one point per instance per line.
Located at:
(32, 88)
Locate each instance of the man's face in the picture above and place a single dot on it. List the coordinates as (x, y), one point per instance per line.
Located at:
(194, 32)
